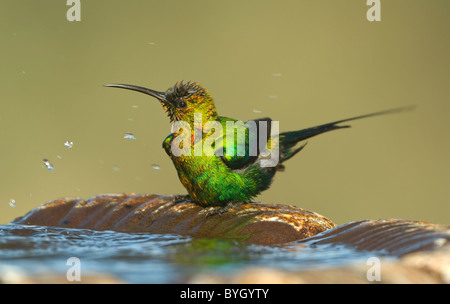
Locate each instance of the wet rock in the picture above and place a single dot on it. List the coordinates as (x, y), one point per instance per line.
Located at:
(256, 223)
(409, 251)
(395, 237)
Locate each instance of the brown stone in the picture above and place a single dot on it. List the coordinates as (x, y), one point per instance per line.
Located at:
(255, 223)
(393, 236)
(422, 248)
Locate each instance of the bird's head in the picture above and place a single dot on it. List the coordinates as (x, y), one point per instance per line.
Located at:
(180, 101)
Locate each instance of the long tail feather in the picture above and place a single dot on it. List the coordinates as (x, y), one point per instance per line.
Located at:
(289, 139)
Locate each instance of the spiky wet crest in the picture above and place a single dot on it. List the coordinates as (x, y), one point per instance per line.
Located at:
(196, 100)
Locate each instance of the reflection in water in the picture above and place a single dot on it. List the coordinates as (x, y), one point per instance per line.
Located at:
(152, 258)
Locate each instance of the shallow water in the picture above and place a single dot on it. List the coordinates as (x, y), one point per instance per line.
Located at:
(153, 258)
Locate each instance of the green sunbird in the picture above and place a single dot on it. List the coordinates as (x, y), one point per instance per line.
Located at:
(227, 178)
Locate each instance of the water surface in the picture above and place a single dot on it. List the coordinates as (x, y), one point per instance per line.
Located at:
(153, 258)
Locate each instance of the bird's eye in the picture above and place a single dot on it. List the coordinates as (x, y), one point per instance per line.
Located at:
(182, 104)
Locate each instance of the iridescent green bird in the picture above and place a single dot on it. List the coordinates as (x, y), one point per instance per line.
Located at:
(233, 176)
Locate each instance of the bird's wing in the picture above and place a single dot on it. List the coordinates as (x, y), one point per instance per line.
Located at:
(244, 149)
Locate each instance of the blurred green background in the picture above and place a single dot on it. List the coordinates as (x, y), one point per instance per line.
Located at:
(302, 63)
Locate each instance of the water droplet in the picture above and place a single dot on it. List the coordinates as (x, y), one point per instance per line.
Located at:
(273, 96)
(48, 165)
(135, 106)
(156, 167)
(12, 203)
(276, 74)
(23, 72)
(115, 168)
(68, 144)
(257, 111)
(151, 43)
(129, 136)
(58, 156)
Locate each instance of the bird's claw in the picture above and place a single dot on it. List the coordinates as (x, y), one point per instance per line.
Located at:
(222, 210)
(182, 198)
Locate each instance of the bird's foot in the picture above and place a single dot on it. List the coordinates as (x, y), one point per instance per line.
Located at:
(222, 210)
(182, 198)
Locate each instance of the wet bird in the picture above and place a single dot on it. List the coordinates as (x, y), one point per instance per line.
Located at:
(231, 174)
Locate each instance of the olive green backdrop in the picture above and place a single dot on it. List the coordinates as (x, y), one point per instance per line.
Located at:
(302, 63)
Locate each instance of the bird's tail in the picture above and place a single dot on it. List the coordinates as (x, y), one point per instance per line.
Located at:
(288, 140)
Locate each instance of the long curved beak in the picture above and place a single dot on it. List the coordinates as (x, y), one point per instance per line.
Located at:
(158, 95)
